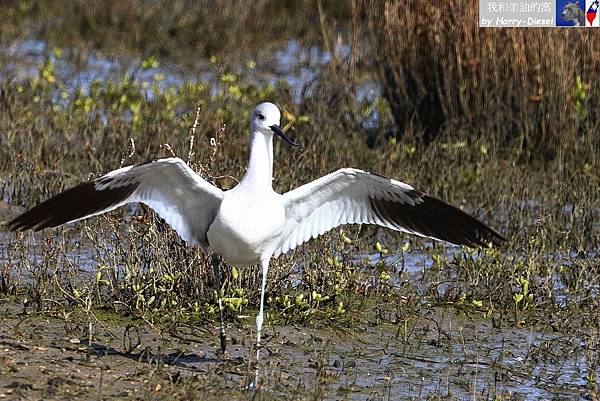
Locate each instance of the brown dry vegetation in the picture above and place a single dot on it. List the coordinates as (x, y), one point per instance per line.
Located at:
(183, 30)
(533, 89)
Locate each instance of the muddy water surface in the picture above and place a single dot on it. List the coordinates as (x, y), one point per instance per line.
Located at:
(46, 358)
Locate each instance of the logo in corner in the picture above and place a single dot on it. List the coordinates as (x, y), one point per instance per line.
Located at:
(570, 12)
(591, 15)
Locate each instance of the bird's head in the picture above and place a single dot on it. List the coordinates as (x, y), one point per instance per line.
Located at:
(266, 119)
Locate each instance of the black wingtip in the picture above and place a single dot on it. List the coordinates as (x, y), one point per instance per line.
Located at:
(437, 219)
(72, 204)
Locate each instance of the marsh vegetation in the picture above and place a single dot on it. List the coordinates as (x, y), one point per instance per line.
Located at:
(502, 123)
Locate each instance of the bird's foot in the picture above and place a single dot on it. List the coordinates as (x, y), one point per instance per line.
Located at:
(223, 343)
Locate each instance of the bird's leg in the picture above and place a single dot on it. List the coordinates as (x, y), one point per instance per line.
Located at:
(216, 264)
(260, 318)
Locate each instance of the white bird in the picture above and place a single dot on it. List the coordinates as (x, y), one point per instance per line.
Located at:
(251, 223)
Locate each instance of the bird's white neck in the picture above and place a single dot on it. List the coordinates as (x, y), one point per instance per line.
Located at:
(260, 161)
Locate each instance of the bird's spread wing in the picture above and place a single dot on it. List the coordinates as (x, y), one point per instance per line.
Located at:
(169, 186)
(351, 196)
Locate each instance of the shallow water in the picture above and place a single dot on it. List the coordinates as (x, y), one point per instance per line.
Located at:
(295, 64)
(445, 356)
(436, 352)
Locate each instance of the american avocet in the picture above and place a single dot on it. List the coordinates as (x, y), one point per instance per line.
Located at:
(251, 224)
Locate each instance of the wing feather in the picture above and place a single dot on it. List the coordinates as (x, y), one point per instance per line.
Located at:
(169, 186)
(351, 196)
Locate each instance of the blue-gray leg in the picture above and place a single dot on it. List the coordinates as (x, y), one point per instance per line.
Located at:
(260, 319)
(216, 265)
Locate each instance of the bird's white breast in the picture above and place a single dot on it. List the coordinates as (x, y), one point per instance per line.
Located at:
(247, 227)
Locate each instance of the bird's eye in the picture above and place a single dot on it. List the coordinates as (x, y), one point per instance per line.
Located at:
(261, 116)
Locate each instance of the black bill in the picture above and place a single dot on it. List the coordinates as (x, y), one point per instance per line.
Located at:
(279, 132)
